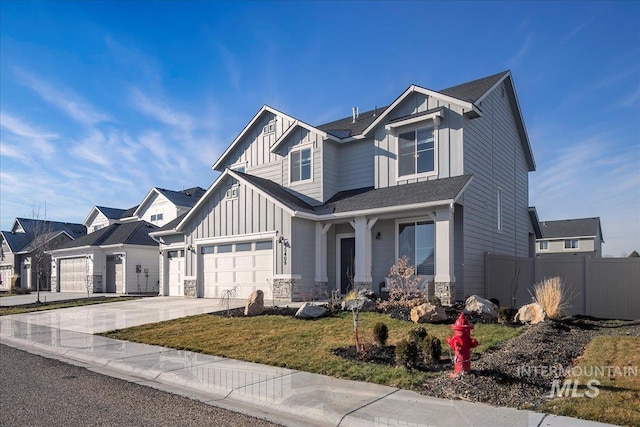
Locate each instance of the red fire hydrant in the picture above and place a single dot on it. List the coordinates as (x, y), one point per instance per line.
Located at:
(461, 343)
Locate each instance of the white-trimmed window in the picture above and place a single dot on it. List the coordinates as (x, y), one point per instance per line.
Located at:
(416, 241)
(499, 208)
(239, 167)
(543, 245)
(571, 244)
(156, 217)
(232, 193)
(300, 165)
(97, 227)
(269, 127)
(417, 152)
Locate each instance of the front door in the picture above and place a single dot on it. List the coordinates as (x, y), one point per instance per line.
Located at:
(114, 274)
(347, 263)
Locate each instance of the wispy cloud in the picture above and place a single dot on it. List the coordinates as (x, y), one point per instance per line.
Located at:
(35, 141)
(575, 31)
(64, 99)
(94, 149)
(632, 100)
(231, 66)
(515, 60)
(160, 111)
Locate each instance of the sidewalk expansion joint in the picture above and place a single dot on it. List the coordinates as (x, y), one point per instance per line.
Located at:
(542, 419)
(365, 405)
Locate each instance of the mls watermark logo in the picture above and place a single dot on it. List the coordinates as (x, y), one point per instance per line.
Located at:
(571, 388)
(581, 382)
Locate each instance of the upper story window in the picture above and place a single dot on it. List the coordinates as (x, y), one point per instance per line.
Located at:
(97, 227)
(300, 162)
(269, 127)
(416, 152)
(571, 244)
(543, 245)
(157, 217)
(239, 167)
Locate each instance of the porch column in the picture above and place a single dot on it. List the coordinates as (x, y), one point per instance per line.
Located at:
(444, 280)
(322, 280)
(362, 227)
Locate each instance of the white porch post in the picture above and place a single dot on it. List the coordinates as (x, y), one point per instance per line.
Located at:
(444, 280)
(363, 257)
(321, 252)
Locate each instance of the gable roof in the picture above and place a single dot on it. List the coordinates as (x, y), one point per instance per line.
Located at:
(185, 198)
(243, 132)
(126, 233)
(16, 241)
(278, 192)
(581, 227)
(345, 127)
(34, 225)
(111, 213)
(535, 223)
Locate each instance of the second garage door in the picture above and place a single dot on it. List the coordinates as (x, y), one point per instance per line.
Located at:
(72, 274)
(246, 266)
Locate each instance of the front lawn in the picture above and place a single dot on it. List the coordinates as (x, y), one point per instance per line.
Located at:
(614, 361)
(298, 344)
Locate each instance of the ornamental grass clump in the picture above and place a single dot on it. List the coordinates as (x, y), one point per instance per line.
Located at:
(551, 297)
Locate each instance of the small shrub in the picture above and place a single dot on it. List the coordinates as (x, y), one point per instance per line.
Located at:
(416, 335)
(434, 300)
(505, 315)
(431, 348)
(407, 354)
(380, 333)
(550, 296)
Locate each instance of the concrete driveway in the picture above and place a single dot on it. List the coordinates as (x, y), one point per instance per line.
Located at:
(47, 297)
(93, 319)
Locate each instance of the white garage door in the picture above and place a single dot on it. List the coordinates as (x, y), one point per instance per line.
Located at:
(5, 277)
(72, 274)
(175, 263)
(245, 265)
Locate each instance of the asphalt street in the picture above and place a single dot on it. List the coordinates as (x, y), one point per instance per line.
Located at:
(37, 391)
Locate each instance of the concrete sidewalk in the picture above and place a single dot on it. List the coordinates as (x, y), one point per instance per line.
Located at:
(278, 394)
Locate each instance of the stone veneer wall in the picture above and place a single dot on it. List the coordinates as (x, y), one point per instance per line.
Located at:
(190, 288)
(363, 286)
(446, 292)
(96, 283)
(286, 290)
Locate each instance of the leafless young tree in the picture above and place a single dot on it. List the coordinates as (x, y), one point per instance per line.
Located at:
(40, 234)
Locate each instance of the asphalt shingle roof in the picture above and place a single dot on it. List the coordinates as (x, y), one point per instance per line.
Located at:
(31, 225)
(126, 233)
(473, 90)
(570, 228)
(112, 213)
(278, 192)
(368, 198)
(407, 194)
(186, 198)
(16, 241)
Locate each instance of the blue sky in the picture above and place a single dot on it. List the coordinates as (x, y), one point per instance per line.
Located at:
(100, 101)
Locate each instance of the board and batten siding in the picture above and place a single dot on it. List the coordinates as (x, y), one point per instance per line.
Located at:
(255, 147)
(249, 213)
(449, 141)
(494, 155)
(99, 220)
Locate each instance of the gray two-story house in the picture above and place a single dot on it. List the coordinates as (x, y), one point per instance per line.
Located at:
(300, 210)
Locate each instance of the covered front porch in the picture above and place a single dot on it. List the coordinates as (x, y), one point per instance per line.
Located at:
(357, 252)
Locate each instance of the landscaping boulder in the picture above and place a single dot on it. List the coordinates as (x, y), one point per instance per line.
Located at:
(255, 304)
(531, 313)
(362, 304)
(309, 310)
(480, 306)
(426, 313)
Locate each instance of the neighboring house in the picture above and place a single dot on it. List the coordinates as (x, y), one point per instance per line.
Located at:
(120, 258)
(101, 217)
(301, 210)
(23, 251)
(118, 255)
(581, 237)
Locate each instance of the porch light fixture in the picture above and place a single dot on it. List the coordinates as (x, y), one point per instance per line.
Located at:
(379, 236)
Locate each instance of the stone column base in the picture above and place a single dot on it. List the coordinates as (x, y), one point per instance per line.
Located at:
(286, 290)
(446, 291)
(97, 283)
(363, 286)
(191, 288)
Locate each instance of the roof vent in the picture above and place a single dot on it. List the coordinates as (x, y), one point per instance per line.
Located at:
(354, 112)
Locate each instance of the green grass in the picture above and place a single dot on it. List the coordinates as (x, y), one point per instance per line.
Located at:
(298, 344)
(5, 311)
(618, 401)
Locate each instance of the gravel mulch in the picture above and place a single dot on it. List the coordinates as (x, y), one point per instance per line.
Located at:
(520, 373)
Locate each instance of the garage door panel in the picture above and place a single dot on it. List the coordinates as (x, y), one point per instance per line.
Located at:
(246, 270)
(72, 274)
